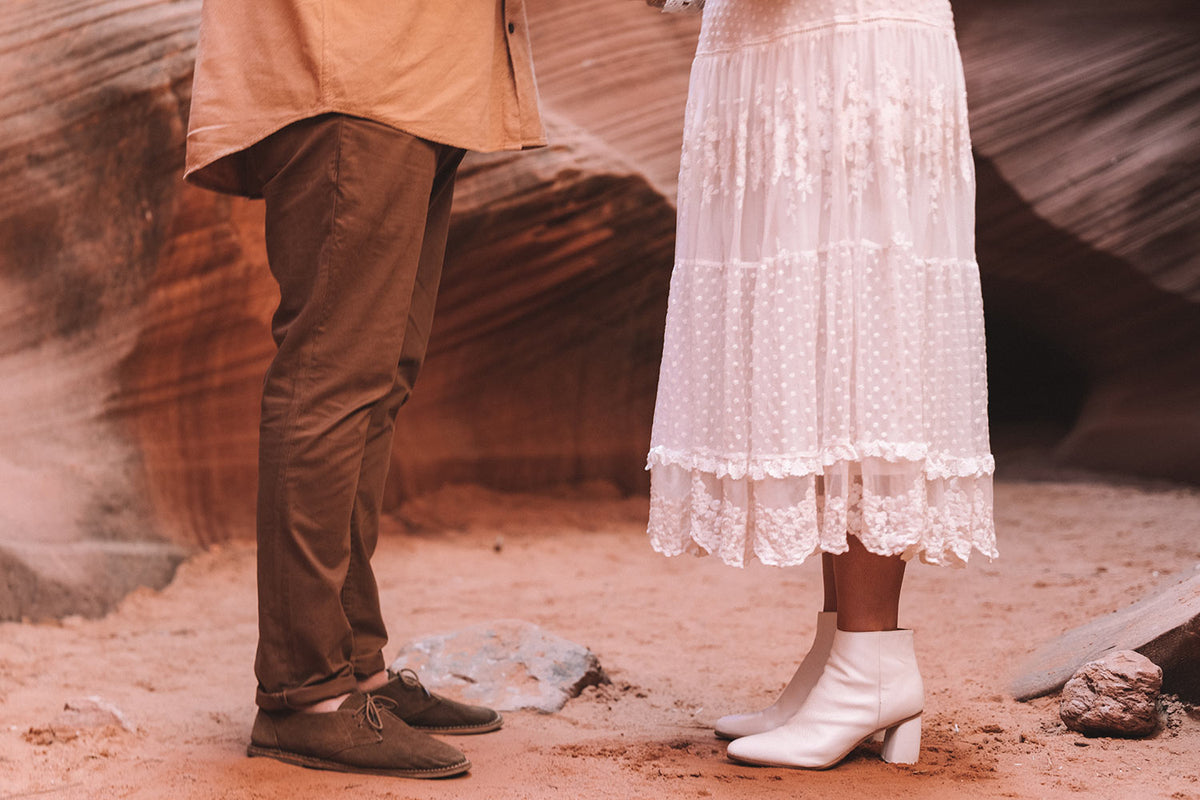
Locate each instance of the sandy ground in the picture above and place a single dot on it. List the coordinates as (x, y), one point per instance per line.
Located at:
(684, 640)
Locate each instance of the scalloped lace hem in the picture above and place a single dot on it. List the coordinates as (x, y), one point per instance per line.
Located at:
(783, 521)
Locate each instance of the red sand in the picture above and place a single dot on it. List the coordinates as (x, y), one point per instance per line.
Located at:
(684, 640)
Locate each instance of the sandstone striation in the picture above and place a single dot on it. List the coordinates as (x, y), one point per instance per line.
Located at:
(93, 103)
(1084, 122)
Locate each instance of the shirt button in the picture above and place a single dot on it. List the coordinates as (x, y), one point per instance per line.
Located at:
(512, 28)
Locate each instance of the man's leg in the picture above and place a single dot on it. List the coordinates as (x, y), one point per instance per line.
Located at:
(347, 206)
(360, 596)
(423, 710)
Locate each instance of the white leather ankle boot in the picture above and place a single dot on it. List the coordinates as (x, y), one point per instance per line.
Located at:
(737, 725)
(870, 684)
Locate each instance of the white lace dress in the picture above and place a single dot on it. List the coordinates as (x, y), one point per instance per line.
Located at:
(824, 371)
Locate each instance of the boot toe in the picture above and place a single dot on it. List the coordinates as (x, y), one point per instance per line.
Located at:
(735, 726)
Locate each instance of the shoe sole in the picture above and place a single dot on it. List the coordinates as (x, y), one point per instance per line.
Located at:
(730, 737)
(313, 762)
(877, 736)
(462, 730)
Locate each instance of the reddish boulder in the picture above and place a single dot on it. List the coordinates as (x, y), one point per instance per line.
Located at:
(1116, 695)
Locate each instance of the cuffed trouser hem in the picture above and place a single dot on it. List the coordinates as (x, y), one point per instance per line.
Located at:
(305, 696)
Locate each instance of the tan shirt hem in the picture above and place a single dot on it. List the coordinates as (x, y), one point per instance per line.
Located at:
(457, 72)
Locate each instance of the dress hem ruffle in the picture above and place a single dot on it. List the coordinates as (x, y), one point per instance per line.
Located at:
(893, 508)
(950, 558)
(758, 468)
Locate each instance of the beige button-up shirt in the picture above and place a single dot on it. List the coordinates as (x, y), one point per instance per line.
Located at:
(457, 72)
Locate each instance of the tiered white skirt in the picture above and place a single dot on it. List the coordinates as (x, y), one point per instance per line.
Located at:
(824, 371)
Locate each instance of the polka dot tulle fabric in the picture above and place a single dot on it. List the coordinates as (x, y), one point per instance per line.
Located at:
(823, 371)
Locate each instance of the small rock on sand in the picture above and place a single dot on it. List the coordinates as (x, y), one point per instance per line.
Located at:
(507, 665)
(1116, 695)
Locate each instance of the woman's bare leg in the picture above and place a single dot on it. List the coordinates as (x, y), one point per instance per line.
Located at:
(868, 589)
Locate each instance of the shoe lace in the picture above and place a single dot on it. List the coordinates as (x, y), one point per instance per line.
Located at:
(372, 710)
(409, 678)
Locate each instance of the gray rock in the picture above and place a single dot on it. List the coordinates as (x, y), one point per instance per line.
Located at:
(81, 717)
(92, 712)
(1114, 696)
(506, 664)
(1164, 627)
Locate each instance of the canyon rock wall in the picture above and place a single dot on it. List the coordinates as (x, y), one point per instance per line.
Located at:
(134, 332)
(1085, 120)
(93, 103)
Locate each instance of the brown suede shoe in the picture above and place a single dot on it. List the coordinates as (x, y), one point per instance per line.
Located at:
(432, 713)
(361, 736)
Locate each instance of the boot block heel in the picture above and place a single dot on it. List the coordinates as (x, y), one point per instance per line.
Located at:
(902, 742)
